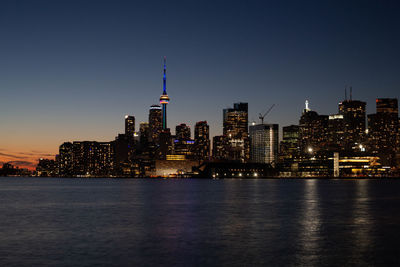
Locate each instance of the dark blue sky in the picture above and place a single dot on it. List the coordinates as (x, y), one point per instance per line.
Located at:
(71, 70)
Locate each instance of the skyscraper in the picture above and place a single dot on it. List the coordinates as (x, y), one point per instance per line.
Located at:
(202, 140)
(129, 127)
(313, 131)
(383, 130)
(336, 132)
(290, 142)
(144, 131)
(164, 98)
(235, 131)
(219, 146)
(264, 140)
(353, 112)
(155, 122)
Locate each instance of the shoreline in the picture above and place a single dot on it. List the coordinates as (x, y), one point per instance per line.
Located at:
(227, 178)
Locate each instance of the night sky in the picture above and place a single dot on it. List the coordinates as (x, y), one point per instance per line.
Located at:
(71, 70)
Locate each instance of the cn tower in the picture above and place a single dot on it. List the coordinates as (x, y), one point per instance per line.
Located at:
(164, 98)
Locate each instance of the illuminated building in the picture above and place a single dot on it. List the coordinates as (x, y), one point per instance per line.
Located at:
(313, 131)
(383, 130)
(46, 168)
(353, 112)
(173, 166)
(235, 131)
(184, 147)
(239, 170)
(336, 132)
(264, 140)
(202, 140)
(164, 98)
(66, 160)
(290, 142)
(182, 132)
(155, 122)
(219, 145)
(92, 159)
(130, 127)
(361, 166)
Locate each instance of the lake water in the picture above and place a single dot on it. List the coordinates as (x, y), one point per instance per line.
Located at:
(116, 222)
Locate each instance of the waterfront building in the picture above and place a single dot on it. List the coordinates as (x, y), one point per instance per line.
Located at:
(289, 147)
(313, 131)
(92, 159)
(383, 129)
(66, 160)
(354, 125)
(235, 131)
(335, 136)
(47, 168)
(264, 140)
(202, 140)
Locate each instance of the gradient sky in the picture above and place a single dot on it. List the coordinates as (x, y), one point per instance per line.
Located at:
(71, 70)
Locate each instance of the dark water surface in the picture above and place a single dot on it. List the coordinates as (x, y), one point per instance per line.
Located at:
(112, 222)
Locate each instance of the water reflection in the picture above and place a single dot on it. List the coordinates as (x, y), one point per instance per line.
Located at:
(362, 221)
(72, 222)
(310, 223)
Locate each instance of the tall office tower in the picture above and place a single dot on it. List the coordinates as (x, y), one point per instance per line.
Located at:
(235, 130)
(264, 140)
(353, 112)
(290, 142)
(129, 126)
(182, 132)
(144, 133)
(383, 130)
(155, 122)
(66, 160)
(336, 133)
(313, 131)
(219, 145)
(164, 98)
(202, 140)
(165, 143)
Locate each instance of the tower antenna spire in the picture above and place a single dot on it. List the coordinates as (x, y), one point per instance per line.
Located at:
(345, 93)
(164, 98)
(165, 76)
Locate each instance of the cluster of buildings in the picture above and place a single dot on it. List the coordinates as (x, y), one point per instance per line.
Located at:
(347, 143)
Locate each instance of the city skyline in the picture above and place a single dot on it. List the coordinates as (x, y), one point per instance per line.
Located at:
(77, 81)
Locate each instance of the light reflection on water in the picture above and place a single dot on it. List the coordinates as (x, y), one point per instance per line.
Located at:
(81, 222)
(310, 224)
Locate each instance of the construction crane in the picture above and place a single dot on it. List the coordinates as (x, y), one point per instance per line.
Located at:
(261, 117)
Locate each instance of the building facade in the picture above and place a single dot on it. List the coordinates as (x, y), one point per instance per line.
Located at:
(264, 141)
